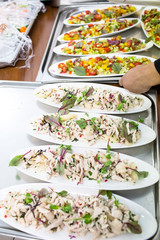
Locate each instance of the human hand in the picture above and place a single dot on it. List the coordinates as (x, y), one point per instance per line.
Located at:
(140, 78)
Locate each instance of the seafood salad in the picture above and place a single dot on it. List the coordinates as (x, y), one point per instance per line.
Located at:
(62, 161)
(89, 97)
(79, 214)
(89, 130)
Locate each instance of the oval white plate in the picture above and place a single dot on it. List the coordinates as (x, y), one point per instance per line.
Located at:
(147, 221)
(53, 69)
(147, 135)
(92, 9)
(142, 24)
(146, 105)
(58, 49)
(152, 178)
(107, 34)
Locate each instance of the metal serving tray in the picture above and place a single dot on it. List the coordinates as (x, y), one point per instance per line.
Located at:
(18, 104)
(58, 28)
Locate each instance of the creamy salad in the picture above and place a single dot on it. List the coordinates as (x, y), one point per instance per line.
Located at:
(79, 215)
(89, 97)
(98, 166)
(89, 130)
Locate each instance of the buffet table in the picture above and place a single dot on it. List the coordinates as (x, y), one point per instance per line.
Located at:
(40, 34)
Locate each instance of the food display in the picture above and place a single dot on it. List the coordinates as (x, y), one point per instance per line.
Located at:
(79, 166)
(98, 66)
(151, 24)
(96, 15)
(102, 46)
(93, 97)
(90, 168)
(45, 211)
(109, 27)
(79, 129)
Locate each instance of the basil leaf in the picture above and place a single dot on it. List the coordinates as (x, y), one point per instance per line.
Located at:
(134, 21)
(105, 192)
(134, 227)
(54, 207)
(62, 193)
(142, 174)
(108, 14)
(80, 71)
(16, 160)
(116, 67)
(148, 39)
(82, 123)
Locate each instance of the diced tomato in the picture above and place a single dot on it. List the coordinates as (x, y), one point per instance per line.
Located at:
(97, 17)
(129, 42)
(71, 43)
(107, 49)
(137, 63)
(64, 69)
(88, 12)
(92, 72)
(61, 65)
(90, 25)
(98, 59)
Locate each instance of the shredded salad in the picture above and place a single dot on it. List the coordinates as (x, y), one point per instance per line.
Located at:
(89, 130)
(95, 30)
(78, 214)
(98, 165)
(103, 46)
(97, 15)
(101, 65)
(151, 20)
(89, 97)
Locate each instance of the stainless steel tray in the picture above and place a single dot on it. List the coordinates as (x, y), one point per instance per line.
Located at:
(58, 28)
(17, 105)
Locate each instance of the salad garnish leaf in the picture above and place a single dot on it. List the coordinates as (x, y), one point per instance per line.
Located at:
(116, 67)
(62, 193)
(67, 208)
(105, 192)
(54, 207)
(89, 92)
(140, 119)
(17, 159)
(134, 227)
(28, 198)
(82, 123)
(52, 120)
(80, 71)
(148, 39)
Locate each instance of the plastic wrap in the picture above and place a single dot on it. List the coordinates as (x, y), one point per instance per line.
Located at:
(16, 19)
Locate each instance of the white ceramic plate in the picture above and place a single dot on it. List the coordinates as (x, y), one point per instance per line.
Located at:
(145, 106)
(152, 178)
(142, 24)
(106, 6)
(147, 135)
(58, 49)
(107, 34)
(147, 221)
(53, 69)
